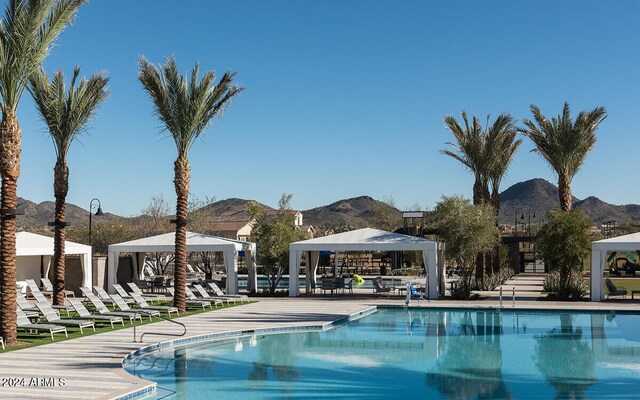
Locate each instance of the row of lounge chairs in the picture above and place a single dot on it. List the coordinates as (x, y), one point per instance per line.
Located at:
(83, 318)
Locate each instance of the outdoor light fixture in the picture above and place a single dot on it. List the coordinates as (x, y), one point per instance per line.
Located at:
(98, 214)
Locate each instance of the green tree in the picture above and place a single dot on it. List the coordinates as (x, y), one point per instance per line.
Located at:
(385, 215)
(185, 107)
(563, 242)
(467, 230)
(273, 232)
(27, 31)
(66, 113)
(564, 143)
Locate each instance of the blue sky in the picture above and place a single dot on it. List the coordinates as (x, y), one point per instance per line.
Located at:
(343, 98)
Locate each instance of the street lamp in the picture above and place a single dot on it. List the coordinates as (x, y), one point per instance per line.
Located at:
(529, 223)
(98, 214)
(515, 220)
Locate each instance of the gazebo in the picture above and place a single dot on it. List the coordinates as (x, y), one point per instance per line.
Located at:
(599, 250)
(367, 239)
(199, 242)
(34, 253)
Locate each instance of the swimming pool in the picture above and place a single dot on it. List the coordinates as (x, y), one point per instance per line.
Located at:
(395, 353)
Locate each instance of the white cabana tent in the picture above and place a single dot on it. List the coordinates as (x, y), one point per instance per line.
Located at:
(599, 250)
(165, 243)
(34, 253)
(367, 239)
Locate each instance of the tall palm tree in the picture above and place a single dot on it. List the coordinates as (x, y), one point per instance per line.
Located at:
(66, 114)
(186, 108)
(28, 29)
(564, 143)
(502, 146)
(469, 150)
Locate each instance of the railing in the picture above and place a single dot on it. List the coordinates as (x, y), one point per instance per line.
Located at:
(149, 313)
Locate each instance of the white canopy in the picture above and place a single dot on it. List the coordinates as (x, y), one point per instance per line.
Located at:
(30, 246)
(165, 243)
(367, 239)
(599, 251)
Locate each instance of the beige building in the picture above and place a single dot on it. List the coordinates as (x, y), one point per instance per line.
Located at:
(238, 224)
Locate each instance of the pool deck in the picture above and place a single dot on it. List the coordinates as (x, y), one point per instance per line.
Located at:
(91, 366)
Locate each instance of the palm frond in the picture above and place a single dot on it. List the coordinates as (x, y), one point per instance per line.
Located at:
(186, 106)
(66, 112)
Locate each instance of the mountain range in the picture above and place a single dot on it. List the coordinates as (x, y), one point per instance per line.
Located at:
(530, 199)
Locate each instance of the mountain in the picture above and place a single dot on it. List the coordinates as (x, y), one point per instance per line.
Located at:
(533, 198)
(537, 196)
(354, 212)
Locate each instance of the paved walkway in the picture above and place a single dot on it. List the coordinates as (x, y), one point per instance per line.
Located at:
(525, 286)
(91, 366)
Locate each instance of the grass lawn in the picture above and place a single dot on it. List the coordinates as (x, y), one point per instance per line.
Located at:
(31, 340)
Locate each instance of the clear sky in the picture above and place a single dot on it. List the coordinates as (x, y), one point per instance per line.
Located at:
(343, 97)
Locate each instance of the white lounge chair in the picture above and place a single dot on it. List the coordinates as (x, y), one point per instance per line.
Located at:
(83, 313)
(40, 298)
(148, 296)
(123, 306)
(218, 292)
(194, 303)
(145, 306)
(203, 293)
(48, 287)
(192, 296)
(51, 316)
(102, 309)
(24, 323)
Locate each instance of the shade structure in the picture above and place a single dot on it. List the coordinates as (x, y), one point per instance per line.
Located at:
(599, 250)
(196, 242)
(368, 239)
(32, 249)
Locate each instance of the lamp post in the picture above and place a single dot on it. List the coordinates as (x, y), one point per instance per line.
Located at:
(529, 223)
(515, 220)
(98, 213)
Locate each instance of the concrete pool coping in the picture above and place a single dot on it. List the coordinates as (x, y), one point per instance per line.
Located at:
(92, 365)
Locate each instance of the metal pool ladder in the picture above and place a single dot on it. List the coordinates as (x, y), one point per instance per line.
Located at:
(184, 332)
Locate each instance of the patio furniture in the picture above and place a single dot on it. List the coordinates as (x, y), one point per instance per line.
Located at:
(24, 323)
(218, 292)
(145, 306)
(192, 296)
(414, 295)
(39, 296)
(48, 287)
(103, 310)
(51, 316)
(123, 306)
(148, 296)
(83, 313)
(380, 287)
(636, 291)
(194, 303)
(328, 284)
(205, 295)
(614, 291)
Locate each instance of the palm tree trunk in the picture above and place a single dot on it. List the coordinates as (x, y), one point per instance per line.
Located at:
(564, 192)
(60, 188)
(181, 183)
(495, 201)
(10, 168)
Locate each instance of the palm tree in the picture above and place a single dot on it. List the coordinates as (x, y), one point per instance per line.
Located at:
(564, 143)
(66, 115)
(185, 108)
(502, 147)
(28, 29)
(470, 152)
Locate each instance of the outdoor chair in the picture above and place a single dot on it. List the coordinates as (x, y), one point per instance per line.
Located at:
(380, 287)
(414, 295)
(192, 296)
(33, 287)
(218, 292)
(145, 306)
(40, 298)
(614, 291)
(2, 342)
(149, 296)
(348, 285)
(48, 287)
(194, 303)
(24, 323)
(206, 295)
(51, 316)
(123, 306)
(104, 296)
(83, 313)
(102, 309)
(328, 284)
(28, 308)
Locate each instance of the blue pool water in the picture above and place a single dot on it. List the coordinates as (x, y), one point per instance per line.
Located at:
(426, 354)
